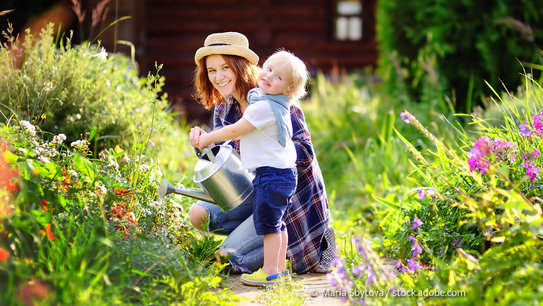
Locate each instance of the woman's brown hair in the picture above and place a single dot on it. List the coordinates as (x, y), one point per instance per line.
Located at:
(208, 96)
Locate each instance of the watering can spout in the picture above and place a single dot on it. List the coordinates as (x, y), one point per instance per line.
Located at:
(167, 188)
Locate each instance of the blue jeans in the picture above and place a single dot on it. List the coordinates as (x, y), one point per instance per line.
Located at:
(245, 246)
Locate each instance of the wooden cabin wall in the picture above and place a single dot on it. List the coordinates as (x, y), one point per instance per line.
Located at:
(174, 29)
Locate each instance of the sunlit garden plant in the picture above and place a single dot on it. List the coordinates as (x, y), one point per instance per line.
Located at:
(474, 227)
(80, 220)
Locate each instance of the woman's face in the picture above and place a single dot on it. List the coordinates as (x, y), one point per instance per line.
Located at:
(221, 76)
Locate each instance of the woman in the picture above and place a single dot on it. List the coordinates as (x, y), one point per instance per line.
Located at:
(226, 71)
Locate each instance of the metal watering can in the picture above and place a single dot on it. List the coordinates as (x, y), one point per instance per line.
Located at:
(218, 172)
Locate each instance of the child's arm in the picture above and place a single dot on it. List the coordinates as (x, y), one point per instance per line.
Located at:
(241, 127)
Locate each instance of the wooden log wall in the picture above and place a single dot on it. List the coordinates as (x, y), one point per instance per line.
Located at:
(174, 29)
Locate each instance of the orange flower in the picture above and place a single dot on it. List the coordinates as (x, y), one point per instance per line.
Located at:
(120, 192)
(3, 254)
(48, 232)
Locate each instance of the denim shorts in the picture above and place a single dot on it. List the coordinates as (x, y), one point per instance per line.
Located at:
(273, 189)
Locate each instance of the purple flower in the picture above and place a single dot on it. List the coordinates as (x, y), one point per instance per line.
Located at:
(372, 277)
(524, 130)
(512, 157)
(411, 239)
(485, 150)
(422, 195)
(417, 250)
(357, 270)
(405, 118)
(457, 243)
(341, 273)
(331, 279)
(537, 123)
(337, 262)
(414, 266)
(424, 192)
(360, 247)
(531, 171)
(416, 223)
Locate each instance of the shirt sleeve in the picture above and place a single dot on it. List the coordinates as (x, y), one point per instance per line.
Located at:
(260, 114)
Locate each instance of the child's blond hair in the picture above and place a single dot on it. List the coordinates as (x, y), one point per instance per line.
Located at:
(299, 74)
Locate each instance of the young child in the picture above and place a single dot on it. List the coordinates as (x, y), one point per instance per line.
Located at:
(265, 132)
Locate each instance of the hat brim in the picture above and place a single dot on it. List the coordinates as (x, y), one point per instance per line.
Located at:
(226, 49)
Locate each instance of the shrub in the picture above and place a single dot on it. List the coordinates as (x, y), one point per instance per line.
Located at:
(78, 89)
(452, 48)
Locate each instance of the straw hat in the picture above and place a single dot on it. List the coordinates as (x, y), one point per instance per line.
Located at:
(231, 43)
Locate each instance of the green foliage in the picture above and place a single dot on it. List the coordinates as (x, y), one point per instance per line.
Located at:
(80, 220)
(450, 49)
(352, 125)
(80, 90)
(471, 232)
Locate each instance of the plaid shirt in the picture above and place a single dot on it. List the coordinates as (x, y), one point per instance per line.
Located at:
(309, 215)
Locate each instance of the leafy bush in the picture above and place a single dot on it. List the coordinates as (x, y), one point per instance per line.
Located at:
(81, 226)
(473, 233)
(352, 124)
(76, 89)
(442, 49)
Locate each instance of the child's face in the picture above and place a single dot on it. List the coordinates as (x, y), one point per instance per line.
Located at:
(274, 79)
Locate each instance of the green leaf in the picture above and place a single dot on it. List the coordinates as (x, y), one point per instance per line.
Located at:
(138, 272)
(386, 202)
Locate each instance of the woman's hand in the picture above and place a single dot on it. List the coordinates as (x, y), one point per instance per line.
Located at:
(194, 135)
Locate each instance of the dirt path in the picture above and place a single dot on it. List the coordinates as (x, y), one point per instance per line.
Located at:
(315, 290)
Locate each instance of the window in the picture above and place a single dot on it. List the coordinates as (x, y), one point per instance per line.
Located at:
(348, 20)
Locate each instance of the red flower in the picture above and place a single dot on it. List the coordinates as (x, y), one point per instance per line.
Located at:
(3, 254)
(44, 204)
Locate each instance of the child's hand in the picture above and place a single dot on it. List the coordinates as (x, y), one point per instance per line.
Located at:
(203, 140)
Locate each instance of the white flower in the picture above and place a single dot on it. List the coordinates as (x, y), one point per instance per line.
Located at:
(79, 143)
(44, 159)
(59, 139)
(102, 54)
(29, 127)
(145, 168)
(73, 174)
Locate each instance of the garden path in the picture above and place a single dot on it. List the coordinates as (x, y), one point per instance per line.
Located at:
(314, 287)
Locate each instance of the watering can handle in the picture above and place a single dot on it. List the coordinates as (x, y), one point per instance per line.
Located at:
(199, 153)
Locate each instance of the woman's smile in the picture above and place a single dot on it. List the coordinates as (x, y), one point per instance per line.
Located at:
(220, 75)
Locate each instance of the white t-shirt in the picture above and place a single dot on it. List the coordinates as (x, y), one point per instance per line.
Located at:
(261, 147)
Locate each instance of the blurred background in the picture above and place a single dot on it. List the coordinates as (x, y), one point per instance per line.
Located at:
(422, 46)
(325, 34)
